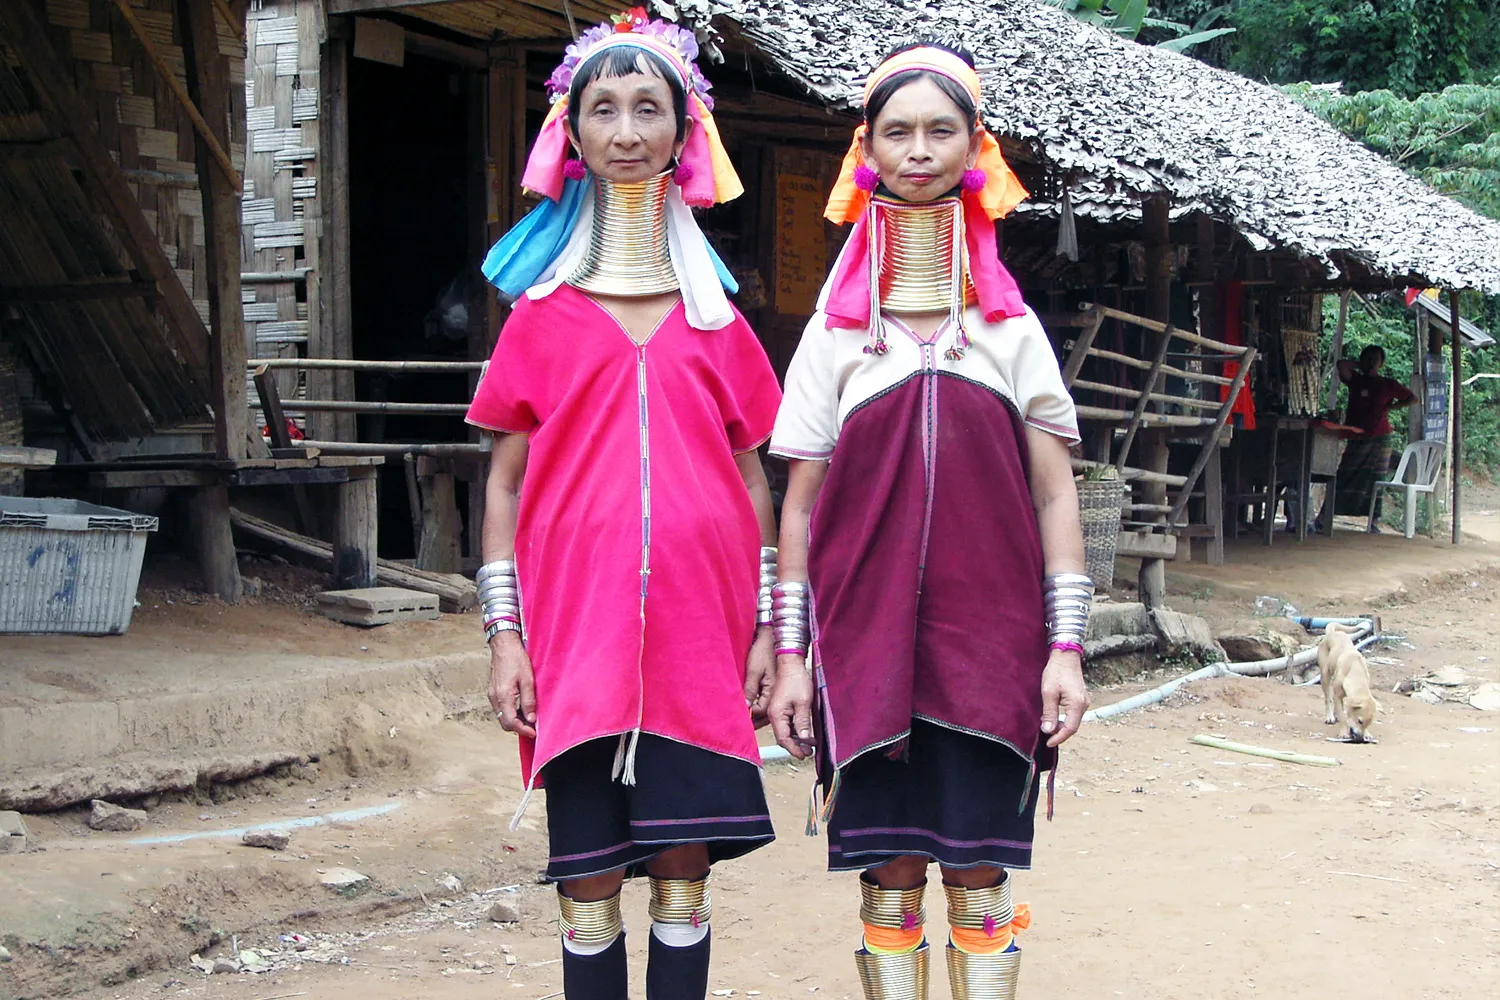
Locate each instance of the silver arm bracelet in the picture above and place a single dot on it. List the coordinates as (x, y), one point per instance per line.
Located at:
(790, 613)
(1068, 599)
(499, 593)
(763, 601)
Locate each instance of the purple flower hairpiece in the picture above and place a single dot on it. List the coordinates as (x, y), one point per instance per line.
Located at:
(634, 21)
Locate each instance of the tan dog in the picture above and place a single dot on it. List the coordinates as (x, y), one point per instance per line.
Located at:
(1346, 682)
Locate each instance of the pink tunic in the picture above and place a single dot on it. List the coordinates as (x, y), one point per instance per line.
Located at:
(637, 545)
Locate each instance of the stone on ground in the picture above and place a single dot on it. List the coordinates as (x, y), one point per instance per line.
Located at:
(342, 878)
(115, 819)
(275, 840)
(13, 835)
(505, 913)
(1182, 634)
(1246, 648)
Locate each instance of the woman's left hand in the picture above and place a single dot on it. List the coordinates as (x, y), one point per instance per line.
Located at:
(1065, 697)
(760, 674)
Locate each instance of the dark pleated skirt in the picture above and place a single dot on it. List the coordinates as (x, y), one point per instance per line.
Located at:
(682, 795)
(958, 799)
(1366, 461)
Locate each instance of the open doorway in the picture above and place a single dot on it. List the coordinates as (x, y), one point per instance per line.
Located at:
(410, 236)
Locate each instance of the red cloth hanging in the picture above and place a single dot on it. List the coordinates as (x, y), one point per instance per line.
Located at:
(1232, 300)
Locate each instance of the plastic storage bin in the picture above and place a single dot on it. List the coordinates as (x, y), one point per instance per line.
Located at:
(68, 566)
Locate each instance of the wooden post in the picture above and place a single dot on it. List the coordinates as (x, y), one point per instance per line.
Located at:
(438, 550)
(1419, 349)
(1456, 425)
(208, 85)
(213, 542)
(1152, 580)
(1213, 505)
(333, 191)
(354, 533)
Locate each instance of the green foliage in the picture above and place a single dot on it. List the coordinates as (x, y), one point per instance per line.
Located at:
(1130, 18)
(1406, 46)
(1450, 139)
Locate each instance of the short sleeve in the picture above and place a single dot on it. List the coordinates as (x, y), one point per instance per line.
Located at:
(509, 390)
(1041, 397)
(748, 407)
(807, 426)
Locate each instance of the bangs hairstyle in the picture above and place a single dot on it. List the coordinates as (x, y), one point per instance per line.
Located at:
(624, 60)
(951, 88)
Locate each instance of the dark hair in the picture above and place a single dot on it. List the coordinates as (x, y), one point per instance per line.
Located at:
(1371, 357)
(955, 91)
(623, 60)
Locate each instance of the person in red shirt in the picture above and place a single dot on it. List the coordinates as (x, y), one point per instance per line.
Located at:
(1367, 457)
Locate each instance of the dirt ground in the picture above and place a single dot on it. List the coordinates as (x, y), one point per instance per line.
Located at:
(1170, 871)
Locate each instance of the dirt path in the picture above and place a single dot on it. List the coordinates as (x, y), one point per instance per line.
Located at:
(1171, 871)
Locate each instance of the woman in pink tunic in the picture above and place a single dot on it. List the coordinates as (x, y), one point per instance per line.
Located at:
(627, 509)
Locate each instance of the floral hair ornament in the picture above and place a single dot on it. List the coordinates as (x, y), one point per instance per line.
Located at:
(989, 191)
(705, 175)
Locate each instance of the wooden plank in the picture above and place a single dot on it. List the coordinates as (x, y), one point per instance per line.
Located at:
(270, 405)
(1146, 545)
(34, 149)
(1160, 327)
(438, 548)
(18, 457)
(455, 593)
(1156, 397)
(205, 132)
(1081, 348)
(1112, 415)
(314, 476)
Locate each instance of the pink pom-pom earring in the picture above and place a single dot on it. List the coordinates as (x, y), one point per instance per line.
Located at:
(974, 180)
(865, 178)
(683, 173)
(574, 170)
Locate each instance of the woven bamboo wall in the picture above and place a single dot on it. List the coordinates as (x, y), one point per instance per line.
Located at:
(280, 212)
(141, 121)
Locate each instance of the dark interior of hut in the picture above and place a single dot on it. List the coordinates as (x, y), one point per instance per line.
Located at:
(409, 267)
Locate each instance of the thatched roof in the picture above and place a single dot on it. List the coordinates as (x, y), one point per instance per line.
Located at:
(1116, 121)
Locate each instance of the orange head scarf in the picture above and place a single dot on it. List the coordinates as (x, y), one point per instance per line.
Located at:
(1002, 190)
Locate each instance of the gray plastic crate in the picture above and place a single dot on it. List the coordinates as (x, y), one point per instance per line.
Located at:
(69, 567)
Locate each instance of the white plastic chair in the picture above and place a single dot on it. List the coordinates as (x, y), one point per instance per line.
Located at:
(1416, 473)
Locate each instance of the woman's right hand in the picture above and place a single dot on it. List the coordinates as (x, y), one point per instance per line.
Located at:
(512, 686)
(790, 709)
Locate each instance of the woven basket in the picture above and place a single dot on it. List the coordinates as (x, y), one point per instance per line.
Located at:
(1099, 503)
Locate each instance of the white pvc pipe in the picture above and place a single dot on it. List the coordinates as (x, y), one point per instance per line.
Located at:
(1249, 668)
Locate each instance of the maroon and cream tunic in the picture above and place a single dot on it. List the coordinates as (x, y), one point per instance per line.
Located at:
(926, 562)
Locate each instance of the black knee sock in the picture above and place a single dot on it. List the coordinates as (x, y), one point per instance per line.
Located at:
(677, 973)
(596, 977)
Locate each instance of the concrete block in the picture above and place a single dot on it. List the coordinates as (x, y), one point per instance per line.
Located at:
(1109, 619)
(378, 605)
(13, 835)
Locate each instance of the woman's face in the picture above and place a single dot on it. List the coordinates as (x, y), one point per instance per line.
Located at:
(920, 143)
(627, 127)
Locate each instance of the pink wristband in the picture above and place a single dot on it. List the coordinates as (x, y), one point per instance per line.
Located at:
(1068, 647)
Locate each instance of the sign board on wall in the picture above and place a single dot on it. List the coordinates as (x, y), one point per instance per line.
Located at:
(801, 244)
(1435, 396)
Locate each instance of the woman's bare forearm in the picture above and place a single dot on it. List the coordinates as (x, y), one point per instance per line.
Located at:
(502, 496)
(1055, 500)
(804, 483)
(754, 475)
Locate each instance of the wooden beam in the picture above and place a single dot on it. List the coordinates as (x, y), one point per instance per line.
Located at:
(205, 133)
(467, 56)
(208, 80)
(273, 277)
(333, 250)
(1081, 348)
(79, 291)
(1220, 420)
(69, 115)
(208, 518)
(16, 456)
(365, 6)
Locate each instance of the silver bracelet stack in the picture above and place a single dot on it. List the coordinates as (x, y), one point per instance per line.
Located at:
(1068, 598)
(500, 597)
(767, 581)
(792, 615)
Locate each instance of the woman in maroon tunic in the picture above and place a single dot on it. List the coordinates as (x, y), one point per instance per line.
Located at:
(1367, 458)
(931, 527)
